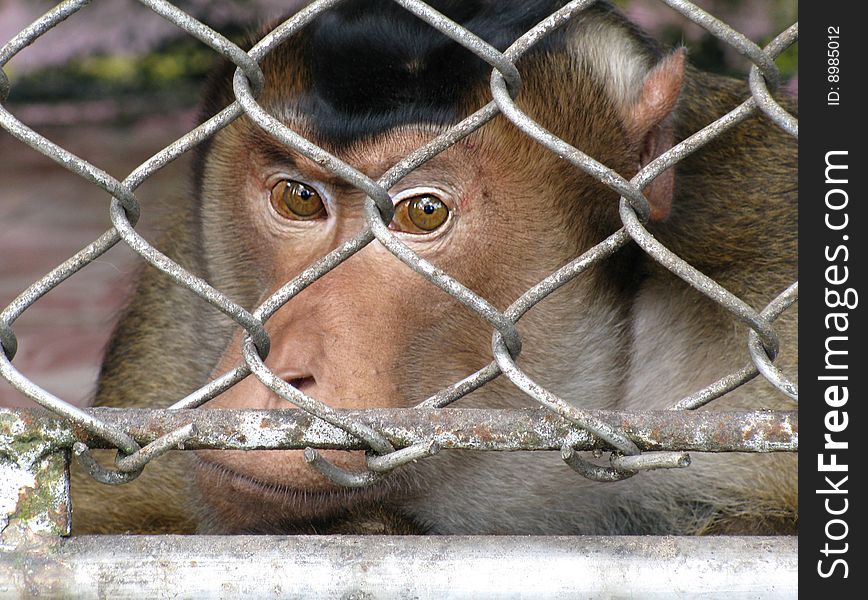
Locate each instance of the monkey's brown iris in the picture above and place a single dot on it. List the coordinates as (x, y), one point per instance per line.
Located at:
(295, 200)
(420, 214)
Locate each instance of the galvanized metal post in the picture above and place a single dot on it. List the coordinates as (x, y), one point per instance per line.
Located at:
(386, 567)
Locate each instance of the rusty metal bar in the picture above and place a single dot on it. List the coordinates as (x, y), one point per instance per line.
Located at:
(453, 428)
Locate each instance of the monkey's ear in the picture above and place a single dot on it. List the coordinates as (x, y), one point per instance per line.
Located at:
(650, 127)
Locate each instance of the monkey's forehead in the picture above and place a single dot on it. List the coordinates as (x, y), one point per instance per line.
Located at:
(366, 68)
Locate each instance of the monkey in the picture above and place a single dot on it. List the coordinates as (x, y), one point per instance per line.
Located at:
(370, 83)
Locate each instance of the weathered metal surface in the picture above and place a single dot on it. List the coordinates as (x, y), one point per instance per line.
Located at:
(383, 567)
(453, 428)
(34, 481)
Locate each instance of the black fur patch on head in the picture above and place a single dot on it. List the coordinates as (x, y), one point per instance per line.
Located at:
(374, 66)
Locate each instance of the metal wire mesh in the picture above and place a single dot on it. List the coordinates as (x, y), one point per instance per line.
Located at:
(370, 431)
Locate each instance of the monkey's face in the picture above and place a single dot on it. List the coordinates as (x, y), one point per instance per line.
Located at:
(371, 332)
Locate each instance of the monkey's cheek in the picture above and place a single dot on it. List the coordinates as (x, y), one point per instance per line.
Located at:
(261, 487)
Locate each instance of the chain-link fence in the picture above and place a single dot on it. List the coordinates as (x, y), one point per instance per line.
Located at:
(32, 450)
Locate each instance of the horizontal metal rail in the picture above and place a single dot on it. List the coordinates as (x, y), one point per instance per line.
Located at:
(369, 567)
(452, 428)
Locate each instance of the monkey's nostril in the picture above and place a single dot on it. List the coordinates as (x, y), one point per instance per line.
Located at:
(300, 383)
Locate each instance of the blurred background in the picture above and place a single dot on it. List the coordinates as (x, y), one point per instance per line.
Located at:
(116, 83)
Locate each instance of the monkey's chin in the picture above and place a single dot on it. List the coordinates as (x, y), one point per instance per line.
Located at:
(236, 501)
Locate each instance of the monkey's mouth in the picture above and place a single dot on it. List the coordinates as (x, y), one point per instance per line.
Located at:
(276, 491)
(223, 487)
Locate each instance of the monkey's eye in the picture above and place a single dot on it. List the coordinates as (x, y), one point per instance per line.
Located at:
(295, 200)
(420, 214)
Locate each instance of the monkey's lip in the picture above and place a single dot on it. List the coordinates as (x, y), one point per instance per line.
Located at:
(292, 502)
